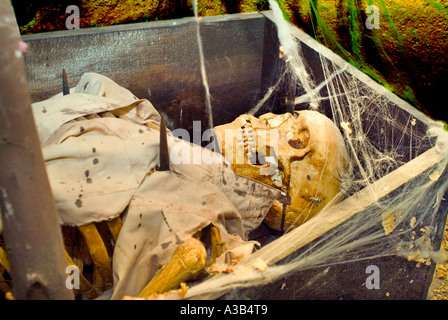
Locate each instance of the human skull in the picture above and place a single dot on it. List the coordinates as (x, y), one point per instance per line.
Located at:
(302, 154)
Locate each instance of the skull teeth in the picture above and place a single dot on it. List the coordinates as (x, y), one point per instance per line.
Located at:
(248, 139)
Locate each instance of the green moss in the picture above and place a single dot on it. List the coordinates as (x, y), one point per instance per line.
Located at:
(285, 10)
(262, 5)
(30, 25)
(445, 126)
(354, 28)
(409, 94)
(354, 52)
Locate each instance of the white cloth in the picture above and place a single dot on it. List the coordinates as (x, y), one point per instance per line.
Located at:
(99, 167)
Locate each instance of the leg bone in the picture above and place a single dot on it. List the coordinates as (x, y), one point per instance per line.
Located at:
(188, 259)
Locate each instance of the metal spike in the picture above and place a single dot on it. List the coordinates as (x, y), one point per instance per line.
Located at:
(65, 87)
(164, 158)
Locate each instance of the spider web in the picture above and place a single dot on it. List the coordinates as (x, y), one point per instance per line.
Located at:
(385, 142)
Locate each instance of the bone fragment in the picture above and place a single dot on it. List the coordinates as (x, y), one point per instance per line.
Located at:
(188, 259)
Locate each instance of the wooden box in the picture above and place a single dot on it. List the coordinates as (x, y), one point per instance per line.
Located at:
(159, 61)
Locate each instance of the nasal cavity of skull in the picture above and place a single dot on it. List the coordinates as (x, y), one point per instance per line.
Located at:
(298, 140)
(267, 157)
(258, 159)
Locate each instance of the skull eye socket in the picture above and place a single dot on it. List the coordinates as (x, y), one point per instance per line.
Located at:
(299, 140)
(296, 144)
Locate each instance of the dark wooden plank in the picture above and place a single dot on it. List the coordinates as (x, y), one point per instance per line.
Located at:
(159, 61)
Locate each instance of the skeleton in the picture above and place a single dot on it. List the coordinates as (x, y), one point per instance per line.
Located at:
(103, 246)
(302, 159)
(303, 155)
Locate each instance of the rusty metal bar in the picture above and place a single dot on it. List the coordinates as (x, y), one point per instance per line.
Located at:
(164, 157)
(65, 86)
(31, 227)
